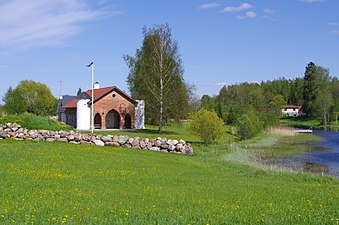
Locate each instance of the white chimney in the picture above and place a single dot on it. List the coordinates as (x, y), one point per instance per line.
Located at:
(96, 85)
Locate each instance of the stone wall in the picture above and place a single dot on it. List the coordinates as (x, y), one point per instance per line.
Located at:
(15, 131)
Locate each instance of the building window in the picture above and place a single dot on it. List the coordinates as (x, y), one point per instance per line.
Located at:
(113, 95)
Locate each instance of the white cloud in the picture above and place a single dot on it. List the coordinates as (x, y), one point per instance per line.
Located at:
(312, 1)
(243, 6)
(39, 22)
(209, 5)
(247, 15)
(335, 32)
(268, 11)
(333, 24)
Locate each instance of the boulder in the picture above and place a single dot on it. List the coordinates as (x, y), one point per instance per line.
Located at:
(113, 143)
(154, 149)
(142, 144)
(50, 139)
(63, 139)
(179, 147)
(99, 143)
(70, 137)
(115, 139)
(123, 139)
(157, 143)
(106, 138)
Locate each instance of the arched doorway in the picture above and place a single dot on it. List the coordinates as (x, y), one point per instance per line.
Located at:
(97, 121)
(112, 120)
(128, 121)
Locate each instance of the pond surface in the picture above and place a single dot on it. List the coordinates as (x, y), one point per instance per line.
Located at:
(319, 157)
(329, 158)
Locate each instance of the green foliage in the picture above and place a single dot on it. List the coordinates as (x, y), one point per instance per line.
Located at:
(277, 104)
(32, 97)
(249, 125)
(156, 76)
(207, 125)
(31, 121)
(316, 81)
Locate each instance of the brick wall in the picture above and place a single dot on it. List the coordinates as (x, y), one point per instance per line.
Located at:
(114, 107)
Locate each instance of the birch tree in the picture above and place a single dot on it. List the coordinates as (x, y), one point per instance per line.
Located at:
(156, 75)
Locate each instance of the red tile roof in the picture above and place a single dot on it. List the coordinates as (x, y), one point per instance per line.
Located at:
(293, 107)
(98, 94)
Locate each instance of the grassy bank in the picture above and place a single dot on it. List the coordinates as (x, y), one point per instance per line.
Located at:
(57, 183)
(31, 121)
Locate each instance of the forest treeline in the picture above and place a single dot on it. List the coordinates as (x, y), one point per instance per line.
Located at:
(316, 91)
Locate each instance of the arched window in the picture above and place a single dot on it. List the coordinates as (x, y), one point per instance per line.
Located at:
(97, 121)
(112, 120)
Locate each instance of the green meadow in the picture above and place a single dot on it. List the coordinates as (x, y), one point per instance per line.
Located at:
(58, 183)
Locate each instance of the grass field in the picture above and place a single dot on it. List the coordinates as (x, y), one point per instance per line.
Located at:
(58, 183)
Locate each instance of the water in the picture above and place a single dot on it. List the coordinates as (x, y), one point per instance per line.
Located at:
(325, 153)
(319, 157)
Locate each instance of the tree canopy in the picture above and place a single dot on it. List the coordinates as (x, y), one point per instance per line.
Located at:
(156, 76)
(30, 96)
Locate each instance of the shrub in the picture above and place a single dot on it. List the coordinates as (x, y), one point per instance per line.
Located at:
(207, 125)
(248, 125)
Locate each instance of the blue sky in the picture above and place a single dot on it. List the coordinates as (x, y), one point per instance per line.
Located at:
(221, 42)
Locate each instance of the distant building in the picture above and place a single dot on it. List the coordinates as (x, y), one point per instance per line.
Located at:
(292, 110)
(113, 109)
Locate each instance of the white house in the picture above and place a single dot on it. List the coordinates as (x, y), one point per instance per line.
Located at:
(292, 110)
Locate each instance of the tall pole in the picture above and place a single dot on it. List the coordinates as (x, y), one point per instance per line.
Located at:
(92, 105)
(92, 119)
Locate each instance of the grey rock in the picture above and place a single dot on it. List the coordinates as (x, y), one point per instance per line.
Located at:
(115, 139)
(143, 144)
(154, 149)
(106, 138)
(171, 148)
(70, 137)
(182, 141)
(74, 142)
(164, 146)
(113, 143)
(50, 139)
(179, 147)
(123, 139)
(157, 143)
(63, 139)
(99, 143)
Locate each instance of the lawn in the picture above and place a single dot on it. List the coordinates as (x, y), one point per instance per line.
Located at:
(58, 183)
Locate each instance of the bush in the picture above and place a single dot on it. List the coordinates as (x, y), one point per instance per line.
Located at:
(249, 125)
(207, 125)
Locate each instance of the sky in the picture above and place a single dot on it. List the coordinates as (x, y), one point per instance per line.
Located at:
(221, 42)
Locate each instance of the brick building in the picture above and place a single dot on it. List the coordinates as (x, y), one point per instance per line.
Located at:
(113, 109)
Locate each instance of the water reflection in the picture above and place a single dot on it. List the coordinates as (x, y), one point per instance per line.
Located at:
(320, 157)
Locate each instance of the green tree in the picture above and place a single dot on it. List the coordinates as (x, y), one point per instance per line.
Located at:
(316, 80)
(323, 106)
(248, 125)
(207, 125)
(16, 102)
(7, 94)
(276, 105)
(156, 74)
(33, 97)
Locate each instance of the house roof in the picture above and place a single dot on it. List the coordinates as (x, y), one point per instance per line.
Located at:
(64, 101)
(293, 107)
(98, 94)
